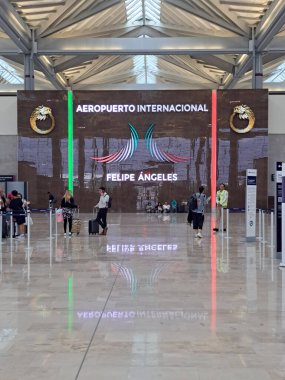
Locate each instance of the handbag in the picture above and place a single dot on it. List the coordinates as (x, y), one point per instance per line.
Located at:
(26, 221)
(58, 216)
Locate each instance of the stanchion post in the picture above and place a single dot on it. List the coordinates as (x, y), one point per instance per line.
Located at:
(222, 215)
(11, 228)
(272, 228)
(259, 225)
(29, 241)
(28, 227)
(50, 237)
(263, 227)
(55, 221)
(50, 222)
(228, 215)
(1, 226)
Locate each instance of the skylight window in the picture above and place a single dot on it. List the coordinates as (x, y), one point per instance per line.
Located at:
(145, 69)
(146, 10)
(9, 74)
(278, 75)
(145, 66)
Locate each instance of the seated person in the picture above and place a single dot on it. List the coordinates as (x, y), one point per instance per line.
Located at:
(166, 207)
(148, 207)
(173, 205)
(158, 207)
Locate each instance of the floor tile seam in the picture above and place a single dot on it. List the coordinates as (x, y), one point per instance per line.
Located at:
(99, 320)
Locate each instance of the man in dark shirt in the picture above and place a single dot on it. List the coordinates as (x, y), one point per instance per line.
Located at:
(16, 205)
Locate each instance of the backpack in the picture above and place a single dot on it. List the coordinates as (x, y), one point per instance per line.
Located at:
(192, 203)
(110, 202)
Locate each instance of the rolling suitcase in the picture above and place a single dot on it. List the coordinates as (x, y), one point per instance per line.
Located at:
(76, 224)
(93, 227)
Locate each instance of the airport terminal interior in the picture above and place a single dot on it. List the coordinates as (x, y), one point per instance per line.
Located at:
(153, 100)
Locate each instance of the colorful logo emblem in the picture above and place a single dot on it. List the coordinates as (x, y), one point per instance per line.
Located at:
(128, 150)
(159, 154)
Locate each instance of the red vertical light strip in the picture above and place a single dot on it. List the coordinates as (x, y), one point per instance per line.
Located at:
(214, 150)
(213, 205)
(213, 276)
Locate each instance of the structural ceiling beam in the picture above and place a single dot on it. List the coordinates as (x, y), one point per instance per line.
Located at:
(241, 70)
(14, 26)
(7, 47)
(215, 61)
(212, 18)
(73, 62)
(81, 17)
(150, 46)
(49, 73)
(270, 25)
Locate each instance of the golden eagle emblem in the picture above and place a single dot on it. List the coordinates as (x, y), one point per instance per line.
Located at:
(244, 112)
(41, 113)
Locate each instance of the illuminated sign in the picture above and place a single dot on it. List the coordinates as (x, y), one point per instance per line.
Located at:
(159, 154)
(142, 177)
(130, 147)
(140, 248)
(141, 108)
(126, 152)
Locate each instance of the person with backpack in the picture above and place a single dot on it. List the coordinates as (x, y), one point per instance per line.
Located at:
(198, 203)
(103, 205)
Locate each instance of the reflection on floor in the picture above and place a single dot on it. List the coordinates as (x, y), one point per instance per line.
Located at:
(149, 300)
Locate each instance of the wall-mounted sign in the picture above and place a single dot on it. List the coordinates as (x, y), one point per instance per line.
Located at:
(130, 147)
(278, 209)
(243, 112)
(141, 108)
(142, 177)
(7, 178)
(250, 207)
(282, 264)
(40, 114)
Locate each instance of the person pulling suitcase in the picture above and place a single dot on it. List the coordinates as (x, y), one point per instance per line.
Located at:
(103, 206)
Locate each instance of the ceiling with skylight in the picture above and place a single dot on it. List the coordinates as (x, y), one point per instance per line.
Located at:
(132, 44)
(8, 74)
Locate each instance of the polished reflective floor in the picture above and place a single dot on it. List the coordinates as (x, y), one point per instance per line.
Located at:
(147, 301)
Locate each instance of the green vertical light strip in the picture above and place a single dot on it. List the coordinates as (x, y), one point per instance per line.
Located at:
(70, 304)
(70, 140)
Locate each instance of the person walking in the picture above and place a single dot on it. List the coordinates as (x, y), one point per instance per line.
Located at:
(68, 206)
(221, 203)
(198, 212)
(103, 205)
